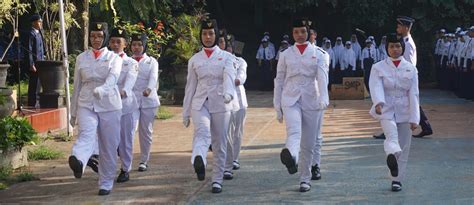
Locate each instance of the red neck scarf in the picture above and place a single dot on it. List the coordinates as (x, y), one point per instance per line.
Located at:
(138, 58)
(96, 53)
(208, 52)
(302, 47)
(396, 63)
(121, 55)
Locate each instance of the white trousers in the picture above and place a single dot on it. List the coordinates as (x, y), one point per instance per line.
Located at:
(397, 142)
(127, 132)
(145, 119)
(303, 129)
(102, 126)
(234, 139)
(211, 128)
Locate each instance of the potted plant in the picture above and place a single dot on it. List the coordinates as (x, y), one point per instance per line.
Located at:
(50, 71)
(15, 134)
(185, 45)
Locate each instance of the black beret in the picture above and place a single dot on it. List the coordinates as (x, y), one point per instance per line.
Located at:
(118, 32)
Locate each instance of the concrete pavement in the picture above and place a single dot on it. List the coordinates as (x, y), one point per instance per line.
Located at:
(440, 167)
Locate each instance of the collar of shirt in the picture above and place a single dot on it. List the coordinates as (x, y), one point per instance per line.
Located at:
(36, 30)
(396, 61)
(97, 53)
(302, 46)
(122, 54)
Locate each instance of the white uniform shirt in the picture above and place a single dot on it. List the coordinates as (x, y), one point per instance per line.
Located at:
(147, 78)
(348, 59)
(302, 77)
(438, 46)
(98, 76)
(396, 88)
(452, 50)
(126, 81)
(468, 52)
(444, 50)
(410, 49)
(209, 78)
(269, 53)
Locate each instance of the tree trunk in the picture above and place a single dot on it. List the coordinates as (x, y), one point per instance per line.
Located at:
(85, 24)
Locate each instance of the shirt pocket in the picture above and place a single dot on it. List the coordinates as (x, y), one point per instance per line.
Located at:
(406, 80)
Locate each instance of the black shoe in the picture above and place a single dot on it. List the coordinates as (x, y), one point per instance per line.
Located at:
(123, 176)
(236, 165)
(315, 173)
(216, 187)
(228, 175)
(142, 167)
(199, 168)
(304, 187)
(103, 192)
(288, 161)
(423, 133)
(76, 166)
(392, 165)
(93, 163)
(396, 186)
(381, 136)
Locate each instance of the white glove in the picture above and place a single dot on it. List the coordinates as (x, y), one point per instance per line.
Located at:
(323, 105)
(279, 116)
(186, 121)
(72, 121)
(96, 93)
(227, 98)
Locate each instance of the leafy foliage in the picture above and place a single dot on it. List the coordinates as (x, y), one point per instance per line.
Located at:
(156, 36)
(8, 11)
(15, 133)
(187, 41)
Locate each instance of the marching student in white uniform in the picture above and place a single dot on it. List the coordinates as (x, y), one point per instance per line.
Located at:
(395, 97)
(96, 106)
(300, 96)
(209, 90)
(147, 96)
(236, 128)
(128, 76)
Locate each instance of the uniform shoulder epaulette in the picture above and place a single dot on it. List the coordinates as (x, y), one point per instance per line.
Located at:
(321, 50)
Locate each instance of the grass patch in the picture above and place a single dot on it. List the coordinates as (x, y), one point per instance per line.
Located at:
(44, 153)
(25, 177)
(3, 186)
(163, 113)
(5, 172)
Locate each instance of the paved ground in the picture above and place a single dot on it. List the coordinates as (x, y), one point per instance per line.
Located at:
(440, 169)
